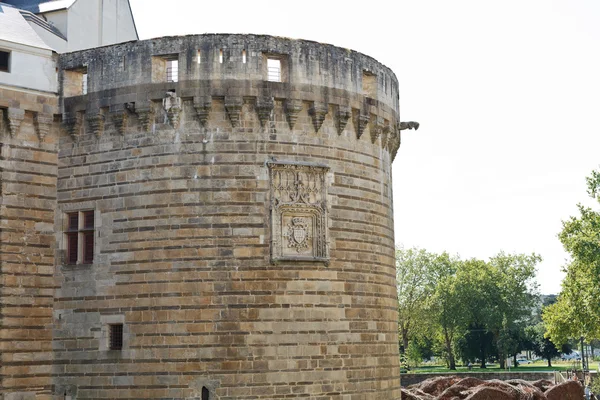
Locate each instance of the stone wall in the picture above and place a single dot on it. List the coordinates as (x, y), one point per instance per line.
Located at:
(243, 228)
(28, 178)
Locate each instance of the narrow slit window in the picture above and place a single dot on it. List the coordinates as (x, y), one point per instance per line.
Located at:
(116, 337)
(221, 56)
(172, 71)
(199, 57)
(84, 83)
(273, 70)
(244, 56)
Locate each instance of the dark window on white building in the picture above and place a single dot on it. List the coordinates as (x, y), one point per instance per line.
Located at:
(4, 61)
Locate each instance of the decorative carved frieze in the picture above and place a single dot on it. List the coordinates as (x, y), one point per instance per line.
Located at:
(298, 212)
(377, 125)
(292, 109)
(264, 108)
(343, 114)
(73, 122)
(42, 123)
(203, 105)
(362, 119)
(95, 122)
(318, 112)
(15, 117)
(233, 106)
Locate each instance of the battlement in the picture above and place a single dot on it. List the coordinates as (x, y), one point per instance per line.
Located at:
(158, 78)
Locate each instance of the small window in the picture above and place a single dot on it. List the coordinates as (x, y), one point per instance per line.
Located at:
(4, 61)
(369, 84)
(205, 393)
(116, 337)
(172, 71)
(273, 70)
(199, 56)
(84, 79)
(75, 81)
(79, 236)
(221, 56)
(244, 56)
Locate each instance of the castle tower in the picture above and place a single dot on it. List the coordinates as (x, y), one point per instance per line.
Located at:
(225, 222)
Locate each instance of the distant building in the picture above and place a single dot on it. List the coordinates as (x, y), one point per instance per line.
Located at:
(70, 25)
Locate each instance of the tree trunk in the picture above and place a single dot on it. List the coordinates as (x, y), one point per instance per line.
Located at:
(515, 359)
(549, 362)
(482, 349)
(448, 341)
(582, 356)
(404, 340)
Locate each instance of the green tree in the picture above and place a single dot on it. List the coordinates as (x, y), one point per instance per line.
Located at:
(576, 314)
(542, 346)
(498, 296)
(415, 285)
(517, 292)
(445, 305)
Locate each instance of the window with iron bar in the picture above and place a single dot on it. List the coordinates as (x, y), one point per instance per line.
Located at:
(172, 71)
(116, 337)
(273, 70)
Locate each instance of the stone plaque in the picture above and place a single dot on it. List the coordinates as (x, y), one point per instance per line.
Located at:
(298, 212)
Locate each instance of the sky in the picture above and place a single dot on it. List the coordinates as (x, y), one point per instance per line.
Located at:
(507, 94)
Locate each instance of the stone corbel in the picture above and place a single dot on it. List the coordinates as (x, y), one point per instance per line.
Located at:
(42, 123)
(95, 122)
(119, 115)
(72, 122)
(264, 108)
(292, 109)
(318, 112)
(172, 105)
(203, 105)
(394, 141)
(377, 125)
(15, 117)
(233, 106)
(146, 115)
(362, 119)
(385, 136)
(343, 114)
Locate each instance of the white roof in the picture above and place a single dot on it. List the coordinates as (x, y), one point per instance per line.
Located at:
(55, 5)
(14, 28)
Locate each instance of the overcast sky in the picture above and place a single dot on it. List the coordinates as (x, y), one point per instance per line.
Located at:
(507, 94)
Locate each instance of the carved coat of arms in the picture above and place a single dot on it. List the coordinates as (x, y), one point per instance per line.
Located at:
(298, 212)
(297, 234)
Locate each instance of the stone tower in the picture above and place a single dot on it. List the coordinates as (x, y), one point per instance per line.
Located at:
(224, 224)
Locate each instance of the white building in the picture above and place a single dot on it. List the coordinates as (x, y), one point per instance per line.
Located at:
(70, 25)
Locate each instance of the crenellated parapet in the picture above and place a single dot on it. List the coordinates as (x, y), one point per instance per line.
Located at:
(153, 81)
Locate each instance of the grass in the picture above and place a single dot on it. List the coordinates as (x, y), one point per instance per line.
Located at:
(538, 366)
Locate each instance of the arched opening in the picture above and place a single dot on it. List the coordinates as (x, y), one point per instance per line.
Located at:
(205, 393)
